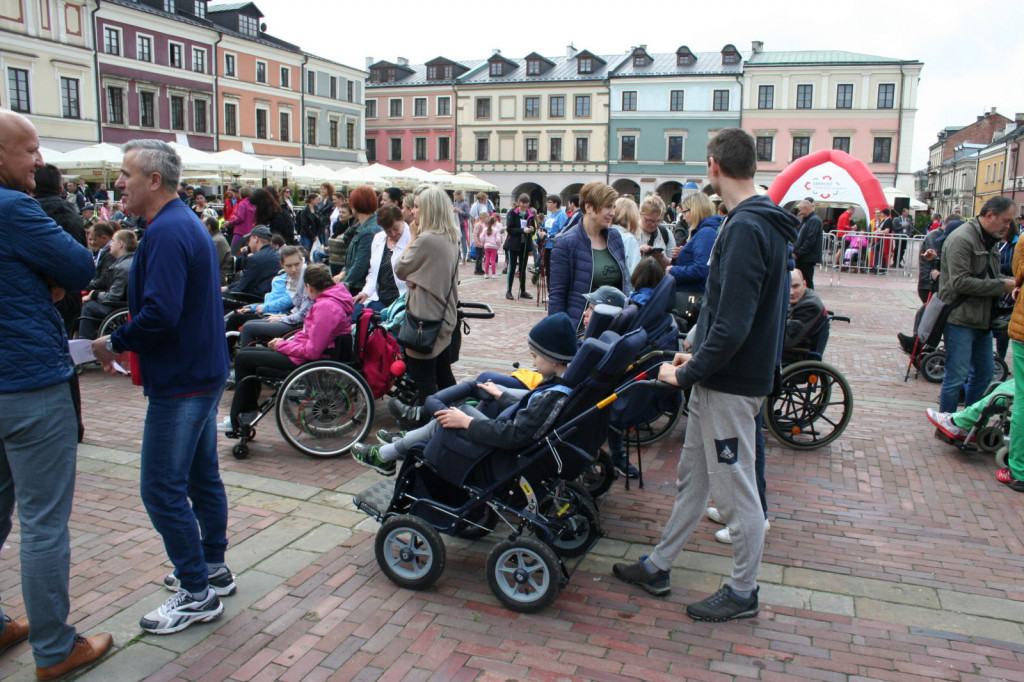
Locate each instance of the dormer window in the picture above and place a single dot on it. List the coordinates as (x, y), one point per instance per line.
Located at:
(497, 69)
(432, 73)
(247, 25)
(533, 67)
(730, 58)
(586, 65)
(639, 60)
(200, 9)
(684, 57)
(449, 72)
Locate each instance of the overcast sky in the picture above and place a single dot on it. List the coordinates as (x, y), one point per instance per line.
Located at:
(972, 51)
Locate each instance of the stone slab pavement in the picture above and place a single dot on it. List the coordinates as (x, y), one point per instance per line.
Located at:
(891, 555)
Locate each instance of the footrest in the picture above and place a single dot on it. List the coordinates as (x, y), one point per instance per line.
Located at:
(376, 499)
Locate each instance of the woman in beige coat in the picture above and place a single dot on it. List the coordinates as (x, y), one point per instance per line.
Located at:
(429, 266)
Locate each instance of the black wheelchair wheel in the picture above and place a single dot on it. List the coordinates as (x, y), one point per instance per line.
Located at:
(598, 477)
(572, 519)
(410, 552)
(1000, 372)
(933, 366)
(659, 427)
(524, 574)
(483, 522)
(112, 321)
(813, 408)
(324, 408)
(990, 439)
(240, 451)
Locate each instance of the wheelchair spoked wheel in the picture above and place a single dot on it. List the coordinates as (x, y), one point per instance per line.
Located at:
(597, 478)
(933, 366)
(1000, 372)
(524, 574)
(657, 428)
(410, 552)
(324, 408)
(572, 519)
(813, 408)
(112, 321)
(990, 439)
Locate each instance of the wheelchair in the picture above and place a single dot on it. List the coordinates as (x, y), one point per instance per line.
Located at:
(814, 402)
(448, 486)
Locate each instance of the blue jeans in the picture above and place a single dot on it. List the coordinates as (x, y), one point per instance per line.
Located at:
(38, 446)
(969, 365)
(179, 465)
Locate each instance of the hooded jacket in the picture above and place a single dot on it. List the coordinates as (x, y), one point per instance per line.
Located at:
(691, 268)
(740, 324)
(329, 318)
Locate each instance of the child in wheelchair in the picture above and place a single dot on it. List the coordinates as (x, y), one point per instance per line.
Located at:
(505, 418)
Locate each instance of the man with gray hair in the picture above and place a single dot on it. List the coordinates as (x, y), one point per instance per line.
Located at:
(177, 330)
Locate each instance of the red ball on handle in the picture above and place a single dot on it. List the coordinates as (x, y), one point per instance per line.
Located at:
(397, 368)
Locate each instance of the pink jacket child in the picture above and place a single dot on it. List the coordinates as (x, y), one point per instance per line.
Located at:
(493, 240)
(329, 318)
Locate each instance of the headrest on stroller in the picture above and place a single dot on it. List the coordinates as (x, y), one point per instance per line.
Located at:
(656, 317)
(605, 358)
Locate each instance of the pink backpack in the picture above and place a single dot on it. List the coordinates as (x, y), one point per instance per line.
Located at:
(377, 350)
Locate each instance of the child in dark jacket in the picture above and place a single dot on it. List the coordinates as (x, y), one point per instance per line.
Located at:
(523, 417)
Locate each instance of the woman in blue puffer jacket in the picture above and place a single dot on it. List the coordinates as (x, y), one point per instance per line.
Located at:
(691, 268)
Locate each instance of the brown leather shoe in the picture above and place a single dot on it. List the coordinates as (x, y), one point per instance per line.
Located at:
(14, 632)
(85, 651)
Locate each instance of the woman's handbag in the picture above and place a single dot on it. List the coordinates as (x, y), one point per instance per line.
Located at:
(418, 334)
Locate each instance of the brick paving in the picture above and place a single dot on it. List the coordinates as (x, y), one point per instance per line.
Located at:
(891, 555)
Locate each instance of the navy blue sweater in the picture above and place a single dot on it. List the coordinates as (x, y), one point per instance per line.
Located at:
(177, 325)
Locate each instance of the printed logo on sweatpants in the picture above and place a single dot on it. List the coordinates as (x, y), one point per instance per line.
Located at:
(727, 449)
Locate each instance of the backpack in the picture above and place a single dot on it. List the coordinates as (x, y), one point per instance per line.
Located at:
(377, 350)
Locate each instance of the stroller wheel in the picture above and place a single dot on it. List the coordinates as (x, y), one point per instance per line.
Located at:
(524, 574)
(599, 476)
(240, 451)
(990, 439)
(933, 366)
(410, 552)
(572, 519)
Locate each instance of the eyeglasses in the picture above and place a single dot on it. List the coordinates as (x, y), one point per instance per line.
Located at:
(685, 211)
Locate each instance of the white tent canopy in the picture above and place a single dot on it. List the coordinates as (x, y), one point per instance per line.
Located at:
(892, 193)
(100, 156)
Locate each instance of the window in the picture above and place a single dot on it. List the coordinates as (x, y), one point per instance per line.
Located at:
(628, 152)
(444, 106)
(69, 100)
(585, 65)
(371, 150)
(730, 58)
(639, 60)
(170, 6)
(177, 112)
(496, 68)
(419, 149)
(199, 113)
(311, 82)
(200, 9)
(230, 119)
(144, 48)
(247, 25)
(285, 121)
(17, 84)
(582, 106)
(844, 96)
(229, 65)
(432, 73)
(350, 135)
(675, 148)
(174, 55)
(419, 106)
(334, 88)
(147, 111)
(115, 105)
(371, 108)
(582, 149)
(801, 146)
(198, 60)
(555, 149)
(286, 77)
(676, 100)
(532, 107)
(261, 72)
(766, 97)
(350, 91)
(395, 108)
(886, 95)
(396, 149)
(804, 96)
(483, 107)
(841, 143)
(111, 41)
(883, 150)
(261, 124)
(483, 149)
(332, 132)
(449, 72)
(311, 130)
(765, 147)
(556, 106)
(532, 148)
(721, 100)
(532, 67)
(444, 148)
(629, 100)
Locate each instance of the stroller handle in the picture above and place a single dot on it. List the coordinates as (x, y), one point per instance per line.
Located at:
(475, 311)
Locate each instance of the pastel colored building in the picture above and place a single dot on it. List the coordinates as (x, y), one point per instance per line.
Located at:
(155, 72)
(946, 190)
(795, 103)
(46, 59)
(536, 125)
(410, 113)
(665, 107)
(333, 113)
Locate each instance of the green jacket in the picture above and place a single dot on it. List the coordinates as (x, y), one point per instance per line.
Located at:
(970, 268)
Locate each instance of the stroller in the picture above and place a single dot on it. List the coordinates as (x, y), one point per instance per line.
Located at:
(449, 486)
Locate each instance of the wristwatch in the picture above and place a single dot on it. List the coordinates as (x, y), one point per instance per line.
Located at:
(110, 346)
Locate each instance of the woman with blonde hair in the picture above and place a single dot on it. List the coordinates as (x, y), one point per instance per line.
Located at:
(691, 268)
(627, 222)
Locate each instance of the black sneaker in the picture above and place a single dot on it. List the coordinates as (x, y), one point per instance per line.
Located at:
(407, 416)
(369, 455)
(525, 294)
(656, 583)
(623, 467)
(385, 437)
(906, 342)
(724, 605)
(222, 581)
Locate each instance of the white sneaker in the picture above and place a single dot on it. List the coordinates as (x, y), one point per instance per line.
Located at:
(724, 536)
(225, 426)
(713, 514)
(180, 611)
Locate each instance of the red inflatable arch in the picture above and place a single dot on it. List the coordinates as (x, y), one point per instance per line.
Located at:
(832, 176)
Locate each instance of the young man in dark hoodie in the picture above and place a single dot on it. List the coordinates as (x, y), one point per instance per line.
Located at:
(730, 372)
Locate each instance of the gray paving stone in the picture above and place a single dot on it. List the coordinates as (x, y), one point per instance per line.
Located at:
(265, 543)
(287, 562)
(272, 486)
(853, 586)
(936, 619)
(136, 662)
(322, 538)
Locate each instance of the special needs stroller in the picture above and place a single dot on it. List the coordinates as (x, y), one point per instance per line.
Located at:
(448, 486)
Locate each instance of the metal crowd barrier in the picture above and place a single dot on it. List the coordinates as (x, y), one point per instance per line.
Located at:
(860, 252)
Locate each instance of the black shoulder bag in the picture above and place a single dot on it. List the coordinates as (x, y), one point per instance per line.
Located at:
(418, 334)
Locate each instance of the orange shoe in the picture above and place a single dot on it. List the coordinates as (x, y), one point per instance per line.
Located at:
(14, 632)
(85, 651)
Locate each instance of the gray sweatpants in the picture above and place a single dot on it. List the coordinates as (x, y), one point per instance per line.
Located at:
(718, 459)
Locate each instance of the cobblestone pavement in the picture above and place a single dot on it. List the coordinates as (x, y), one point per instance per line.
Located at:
(890, 556)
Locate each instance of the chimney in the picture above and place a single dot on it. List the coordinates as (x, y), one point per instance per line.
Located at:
(570, 51)
(1019, 119)
(756, 46)
(992, 111)
(495, 51)
(402, 61)
(369, 62)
